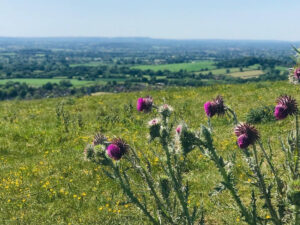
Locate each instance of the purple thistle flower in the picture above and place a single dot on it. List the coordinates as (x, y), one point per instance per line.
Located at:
(209, 109)
(243, 141)
(114, 152)
(117, 149)
(247, 134)
(215, 107)
(297, 73)
(286, 105)
(139, 105)
(144, 104)
(280, 112)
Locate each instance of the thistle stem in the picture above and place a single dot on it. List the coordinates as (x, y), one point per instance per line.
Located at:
(297, 214)
(131, 196)
(297, 152)
(263, 188)
(150, 183)
(177, 187)
(230, 186)
(233, 114)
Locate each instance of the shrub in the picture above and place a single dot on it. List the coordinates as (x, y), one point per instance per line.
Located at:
(261, 114)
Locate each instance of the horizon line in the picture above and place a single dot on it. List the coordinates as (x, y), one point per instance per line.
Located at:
(145, 37)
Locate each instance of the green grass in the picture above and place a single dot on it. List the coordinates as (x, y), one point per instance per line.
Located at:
(44, 179)
(91, 64)
(281, 68)
(223, 71)
(190, 67)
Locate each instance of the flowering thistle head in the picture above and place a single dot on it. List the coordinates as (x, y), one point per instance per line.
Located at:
(144, 104)
(286, 105)
(247, 134)
(154, 128)
(208, 107)
(117, 149)
(297, 73)
(243, 141)
(99, 139)
(165, 110)
(215, 107)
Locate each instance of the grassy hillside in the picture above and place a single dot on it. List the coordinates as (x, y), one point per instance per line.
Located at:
(44, 179)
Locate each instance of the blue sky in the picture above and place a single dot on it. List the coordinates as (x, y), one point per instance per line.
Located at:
(177, 19)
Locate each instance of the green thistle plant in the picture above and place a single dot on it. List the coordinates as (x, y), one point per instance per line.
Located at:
(169, 191)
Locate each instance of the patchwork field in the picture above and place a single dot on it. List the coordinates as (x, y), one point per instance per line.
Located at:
(193, 66)
(247, 74)
(44, 179)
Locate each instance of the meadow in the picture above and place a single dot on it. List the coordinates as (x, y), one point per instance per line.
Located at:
(44, 178)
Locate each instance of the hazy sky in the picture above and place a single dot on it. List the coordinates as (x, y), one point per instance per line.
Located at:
(180, 19)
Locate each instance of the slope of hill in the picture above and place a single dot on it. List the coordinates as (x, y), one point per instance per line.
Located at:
(44, 179)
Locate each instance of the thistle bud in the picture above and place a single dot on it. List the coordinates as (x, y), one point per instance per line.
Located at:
(89, 152)
(178, 129)
(186, 138)
(165, 110)
(154, 128)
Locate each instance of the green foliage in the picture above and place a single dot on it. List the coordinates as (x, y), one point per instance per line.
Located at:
(261, 114)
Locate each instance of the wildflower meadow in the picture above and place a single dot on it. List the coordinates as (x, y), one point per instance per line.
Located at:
(181, 156)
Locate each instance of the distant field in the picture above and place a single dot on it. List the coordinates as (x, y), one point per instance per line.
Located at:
(281, 68)
(39, 82)
(222, 71)
(191, 67)
(91, 64)
(247, 74)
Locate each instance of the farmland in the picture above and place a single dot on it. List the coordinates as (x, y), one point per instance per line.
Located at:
(190, 67)
(44, 177)
(39, 68)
